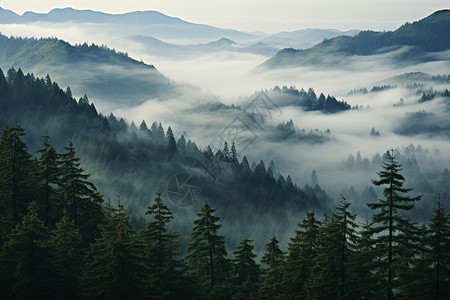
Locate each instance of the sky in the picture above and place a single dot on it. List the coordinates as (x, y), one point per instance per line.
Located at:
(261, 15)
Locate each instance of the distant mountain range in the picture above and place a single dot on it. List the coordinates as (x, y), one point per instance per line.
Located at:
(160, 26)
(423, 38)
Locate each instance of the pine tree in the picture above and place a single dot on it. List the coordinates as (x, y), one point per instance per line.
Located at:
(337, 242)
(68, 257)
(246, 271)
(115, 267)
(48, 164)
(171, 144)
(395, 235)
(301, 254)
(234, 158)
(274, 258)
(16, 178)
(78, 195)
(29, 258)
(439, 255)
(207, 252)
(162, 247)
(429, 278)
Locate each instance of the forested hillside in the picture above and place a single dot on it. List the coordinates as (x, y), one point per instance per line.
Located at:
(427, 35)
(137, 162)
(59, 239)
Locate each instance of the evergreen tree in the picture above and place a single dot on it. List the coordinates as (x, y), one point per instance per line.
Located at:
(78, 195)
(274, 258)
(429, 278)
(28, 256)
(171, 144)
(234, 154)
(246, 271)
(115, 267)
(48, 163)
(333, 269)
(395, 235)
(16, 178)
(68, 257)
(207, 252)
(161, 248)
(301, 254)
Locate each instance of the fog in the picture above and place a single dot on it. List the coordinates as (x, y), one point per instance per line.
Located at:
(232, 78)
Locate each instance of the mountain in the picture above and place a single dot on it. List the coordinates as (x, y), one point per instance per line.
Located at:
(156, 47)
(429, 35)
(124, 81)
(137, 162)
(304, 38)
(149, 23)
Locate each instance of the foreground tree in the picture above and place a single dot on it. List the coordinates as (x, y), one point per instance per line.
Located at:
(246, 271)
(115, 267)
(395, 236)
(334, 263)
(48, 169)
(78, 195)
(274, 258)
(161, 250)
(16, 178)
(301, 255)
(28, 258)
(207, 252)
(67, 256)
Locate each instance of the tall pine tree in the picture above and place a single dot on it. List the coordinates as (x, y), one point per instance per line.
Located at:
(395, 235)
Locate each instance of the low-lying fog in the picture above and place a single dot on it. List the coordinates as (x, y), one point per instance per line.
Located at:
(232, 77)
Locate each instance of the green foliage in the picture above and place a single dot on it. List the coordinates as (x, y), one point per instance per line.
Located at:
(206, 255)
(396, 236)
(16, 178)
(28, 259)
(115, 266)
(65, 242)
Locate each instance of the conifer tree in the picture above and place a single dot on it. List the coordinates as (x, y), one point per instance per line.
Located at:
(246, 271)
(29, 258)
(301, 254)
(337, 242)
(48, 164)
(395, 235)
(207, 252)
(171, 144)
(68, 258)
(274, 258)
(161, 245)
(78, 195)
(16, 178)
(115, 267)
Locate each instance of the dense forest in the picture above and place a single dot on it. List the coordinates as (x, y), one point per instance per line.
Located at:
(60, 239)
(138, 161)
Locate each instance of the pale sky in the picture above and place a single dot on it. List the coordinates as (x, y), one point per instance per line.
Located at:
(261, 15)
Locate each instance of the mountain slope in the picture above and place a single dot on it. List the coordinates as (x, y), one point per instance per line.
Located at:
(139, 162)
(152, 23)
(124, 81)
(427, 35)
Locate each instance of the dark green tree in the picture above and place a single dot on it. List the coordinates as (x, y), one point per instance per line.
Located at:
(331, 276)
(16, 178)
(78, 195)
(115, 267)
(29, 260)
(246, 271)
(274, 258)
(162, 249)
(67, 257)
(301, 255)
(171, 144)
(395, 235)
(48, 170)
(207, 252)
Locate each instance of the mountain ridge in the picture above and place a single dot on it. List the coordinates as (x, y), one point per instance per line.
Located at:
(426, 35)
